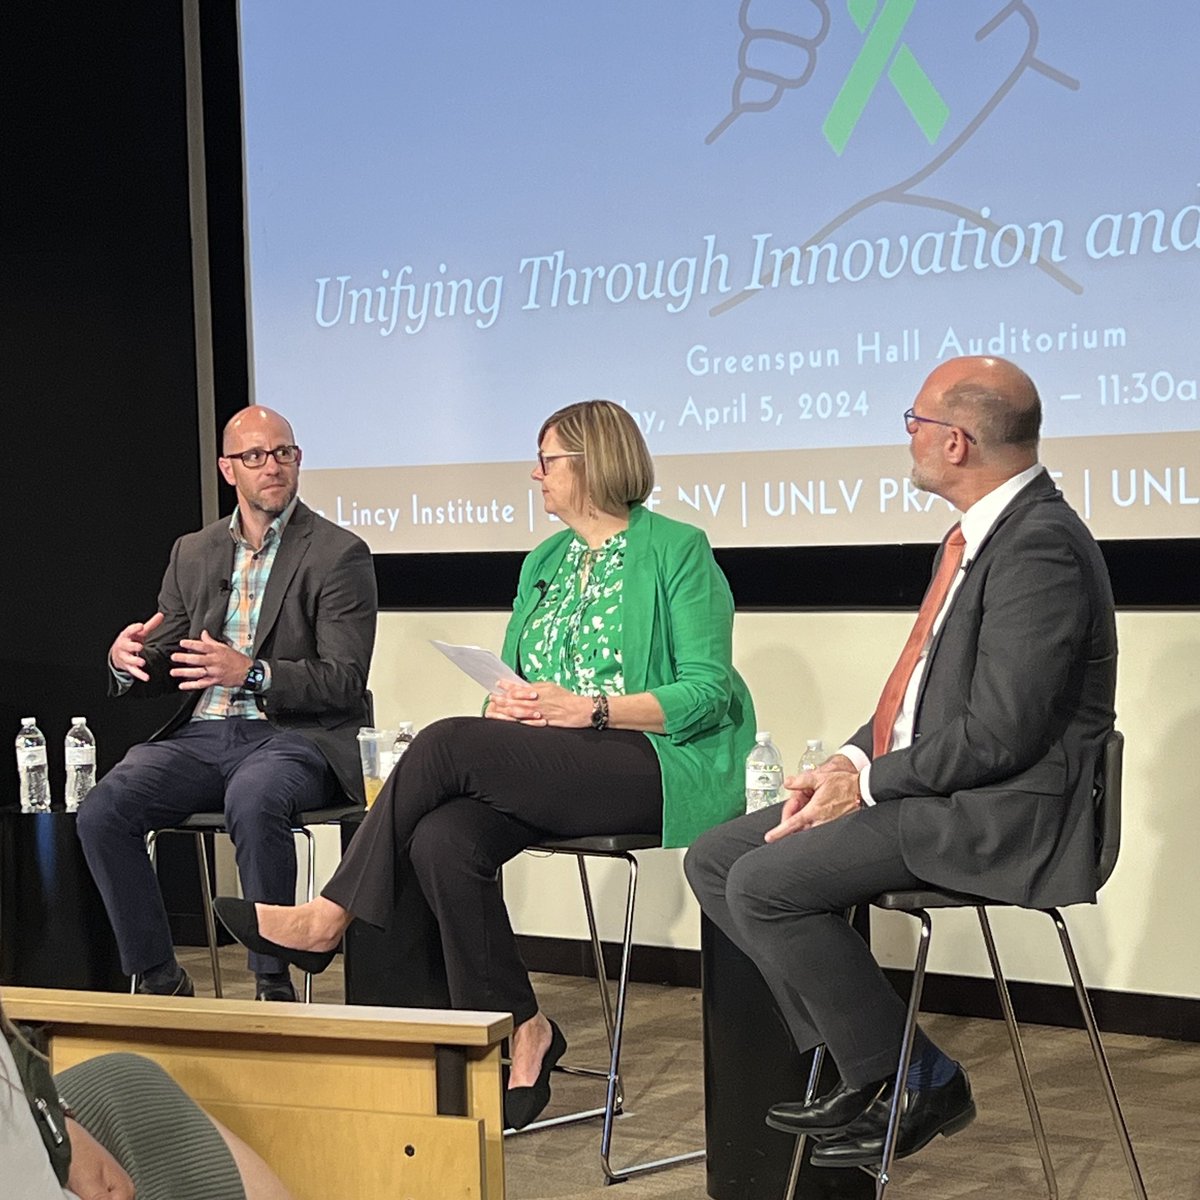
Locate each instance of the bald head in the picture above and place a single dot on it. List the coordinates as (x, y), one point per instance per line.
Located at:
(977, 424)
(255, 426)
(996, 401)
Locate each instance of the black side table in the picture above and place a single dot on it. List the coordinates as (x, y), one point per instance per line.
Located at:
(750, 1062)
(54, 931)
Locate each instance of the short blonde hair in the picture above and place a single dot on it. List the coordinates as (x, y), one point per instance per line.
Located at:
(616, 469)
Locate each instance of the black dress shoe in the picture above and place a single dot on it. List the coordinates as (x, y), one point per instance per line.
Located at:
(827, 1114)
(522, 1105)
(275, 989)
(183, 986)
(239, 917)
(927, 1112)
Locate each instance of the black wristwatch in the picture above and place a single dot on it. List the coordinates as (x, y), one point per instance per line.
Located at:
(255, 677)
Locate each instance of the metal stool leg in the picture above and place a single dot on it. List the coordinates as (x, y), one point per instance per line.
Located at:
(210, 923)
(614, 1024)
(1106, 1079)
(1014, 1038)
(310, 892)
(810, 1092)
(601, 972)
(585, 1114)
(910, 1029)
(614, 1070)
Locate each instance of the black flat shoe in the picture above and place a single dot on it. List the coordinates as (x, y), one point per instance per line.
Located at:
(523, 1105)
(928, 1112)
(183, 986)
(239, 917)
(827, 1114)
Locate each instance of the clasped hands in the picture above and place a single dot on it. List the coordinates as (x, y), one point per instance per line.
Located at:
(815, 797)
(538, 704)
(203, 662)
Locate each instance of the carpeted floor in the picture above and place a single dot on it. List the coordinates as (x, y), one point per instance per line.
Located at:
(994, 1159)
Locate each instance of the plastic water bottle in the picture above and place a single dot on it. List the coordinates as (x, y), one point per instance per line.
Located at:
(81, 762)
(404, 736)
(814, 755)
(764, 772)
(31, 767)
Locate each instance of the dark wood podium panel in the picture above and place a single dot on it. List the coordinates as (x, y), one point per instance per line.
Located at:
(54, 932)
(750, 1063)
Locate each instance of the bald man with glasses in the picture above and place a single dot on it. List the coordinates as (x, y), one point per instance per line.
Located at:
(974, 773)
(264, 629)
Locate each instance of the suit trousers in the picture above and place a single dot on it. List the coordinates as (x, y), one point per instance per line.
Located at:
(783, 905)
(259, 776)
(469, 794)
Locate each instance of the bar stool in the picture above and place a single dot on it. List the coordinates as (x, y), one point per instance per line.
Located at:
(917, 903)
(200, 824)
(620, 847)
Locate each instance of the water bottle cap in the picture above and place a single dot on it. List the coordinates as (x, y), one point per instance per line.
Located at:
(79, 720)
(814, 743)
(29, 720)
(762, 735)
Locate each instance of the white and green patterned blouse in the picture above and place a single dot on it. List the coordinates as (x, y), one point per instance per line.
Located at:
(574, 636)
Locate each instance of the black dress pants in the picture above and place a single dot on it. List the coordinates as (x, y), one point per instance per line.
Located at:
(468, 795)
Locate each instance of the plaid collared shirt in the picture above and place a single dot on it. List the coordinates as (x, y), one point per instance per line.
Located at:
(247, 583)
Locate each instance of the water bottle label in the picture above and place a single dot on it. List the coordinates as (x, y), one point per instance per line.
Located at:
(761, 777)
(31, 756)
(81, 756)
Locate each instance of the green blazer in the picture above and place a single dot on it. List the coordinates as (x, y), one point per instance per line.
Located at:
(677, 618)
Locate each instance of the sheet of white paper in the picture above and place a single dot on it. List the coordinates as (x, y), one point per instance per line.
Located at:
(483, 666)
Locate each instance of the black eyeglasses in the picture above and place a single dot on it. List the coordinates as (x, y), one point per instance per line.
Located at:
(544, 460)
(911, 418)
(284, 455)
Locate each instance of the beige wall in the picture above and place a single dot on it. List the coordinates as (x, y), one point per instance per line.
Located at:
(816, 675)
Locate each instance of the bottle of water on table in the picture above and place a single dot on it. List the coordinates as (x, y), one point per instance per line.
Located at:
(31, 767)
(80, 750)
(814, 755)
(764, 772)
(405, 734)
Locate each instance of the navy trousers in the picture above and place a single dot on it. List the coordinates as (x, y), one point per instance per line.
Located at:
(259, 776)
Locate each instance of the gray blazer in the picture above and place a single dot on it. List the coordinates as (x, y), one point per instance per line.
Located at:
(1014, 706)
(316, 630)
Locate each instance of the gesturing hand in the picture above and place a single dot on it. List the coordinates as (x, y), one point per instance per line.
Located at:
(205, 662)
(125, 654)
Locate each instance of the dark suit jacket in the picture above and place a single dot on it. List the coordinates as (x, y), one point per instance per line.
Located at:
(1013, 709)
(316, 630)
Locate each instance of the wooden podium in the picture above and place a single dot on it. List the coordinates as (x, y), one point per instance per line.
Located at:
(340, 1100)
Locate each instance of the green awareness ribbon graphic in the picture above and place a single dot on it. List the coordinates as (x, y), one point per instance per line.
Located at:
(905, 74)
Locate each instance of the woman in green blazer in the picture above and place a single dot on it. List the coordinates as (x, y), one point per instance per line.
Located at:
(628, 718)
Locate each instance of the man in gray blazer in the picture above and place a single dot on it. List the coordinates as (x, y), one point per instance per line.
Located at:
(977, 776)
(265, 626)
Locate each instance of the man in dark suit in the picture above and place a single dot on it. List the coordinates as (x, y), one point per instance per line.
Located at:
(975, 773)
(265, 625)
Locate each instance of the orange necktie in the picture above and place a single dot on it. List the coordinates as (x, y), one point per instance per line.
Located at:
(892, 697)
